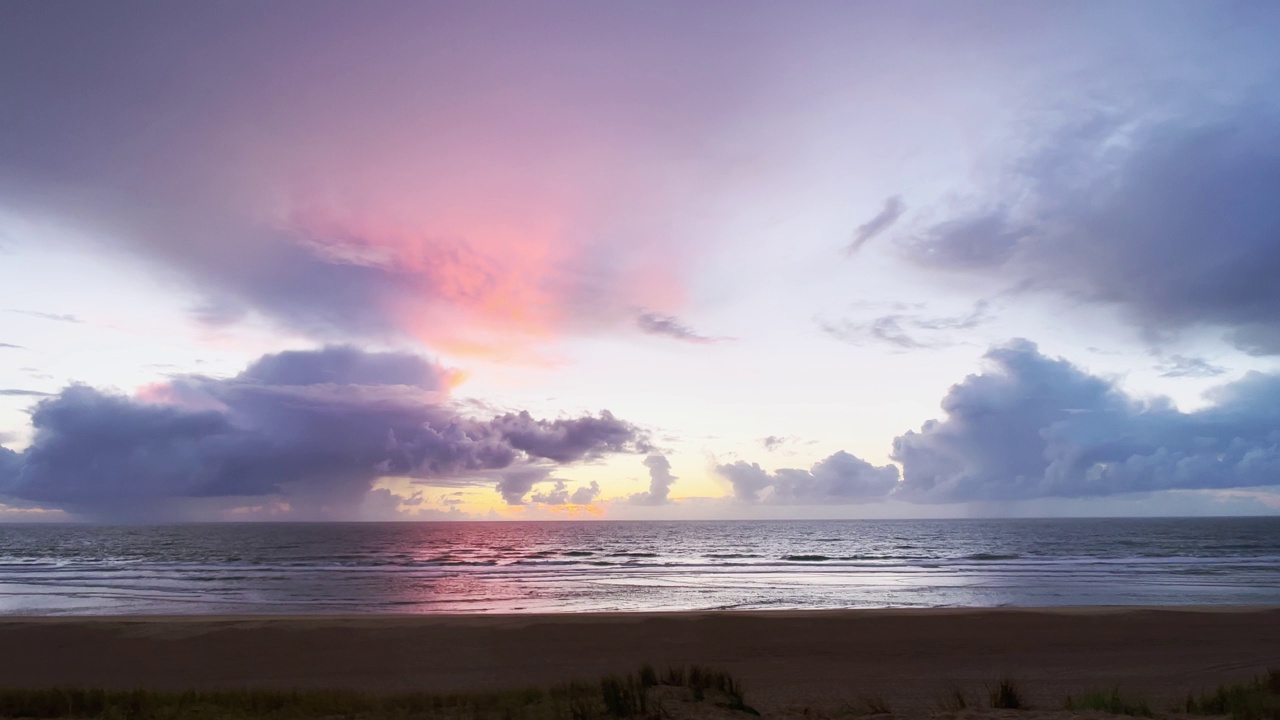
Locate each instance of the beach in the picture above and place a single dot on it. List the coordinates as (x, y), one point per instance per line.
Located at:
(786, 660)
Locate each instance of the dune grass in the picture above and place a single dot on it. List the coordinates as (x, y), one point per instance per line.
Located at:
(1258, 699)
(1005, 696)
(1109, 701)
(955, 700)
(875, 705)
(614, 696)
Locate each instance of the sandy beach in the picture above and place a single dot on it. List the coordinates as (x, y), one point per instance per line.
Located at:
(786, 660)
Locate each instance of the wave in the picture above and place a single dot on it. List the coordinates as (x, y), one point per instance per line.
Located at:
(991, 556)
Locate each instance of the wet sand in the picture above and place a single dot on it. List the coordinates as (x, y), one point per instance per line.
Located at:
(825, 660)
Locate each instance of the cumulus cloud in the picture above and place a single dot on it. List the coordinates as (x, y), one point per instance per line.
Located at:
(560, 494)
(660, 480)
(1172, 221)
(314, 429)
(888, 215)
(515, 484)
(1035, 426)
(840, 478)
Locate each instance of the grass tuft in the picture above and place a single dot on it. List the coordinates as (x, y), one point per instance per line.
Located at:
(614, 696)
(1005, 696)
(955, 700)
(1258, 699)
(648, 676)
(875, 705)
(1109, 701)
(623, 697)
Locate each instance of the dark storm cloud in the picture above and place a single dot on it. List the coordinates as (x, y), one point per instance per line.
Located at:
(1034, 427)
(671, 327)
(893, 209)
(660, 480)
(312, 428)
(1174, 222)
(838, 479)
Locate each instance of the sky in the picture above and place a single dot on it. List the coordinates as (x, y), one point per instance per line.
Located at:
(638, 260)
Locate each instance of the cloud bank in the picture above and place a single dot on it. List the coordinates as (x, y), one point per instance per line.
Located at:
(312, 430)
(838, 479)
(1039, 427)
(1035, 426)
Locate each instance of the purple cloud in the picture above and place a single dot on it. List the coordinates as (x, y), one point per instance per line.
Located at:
(838, 479)
(314, 429)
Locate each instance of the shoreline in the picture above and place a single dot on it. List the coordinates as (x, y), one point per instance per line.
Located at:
(823, 659)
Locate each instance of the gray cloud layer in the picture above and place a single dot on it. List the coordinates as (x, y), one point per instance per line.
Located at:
(1174, 222)
(313, 429)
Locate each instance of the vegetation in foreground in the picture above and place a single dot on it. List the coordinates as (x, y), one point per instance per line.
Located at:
(1258, 699)
(1109, 701)
(677, 692)
(1005, 696)
(645, 694)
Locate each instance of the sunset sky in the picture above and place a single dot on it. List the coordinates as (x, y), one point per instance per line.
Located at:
(650, 260)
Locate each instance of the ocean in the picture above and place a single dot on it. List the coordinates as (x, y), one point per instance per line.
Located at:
(526, 567)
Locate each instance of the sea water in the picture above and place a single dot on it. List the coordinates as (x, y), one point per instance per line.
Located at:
(525, 567)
